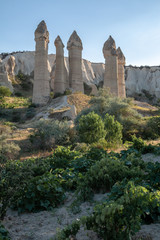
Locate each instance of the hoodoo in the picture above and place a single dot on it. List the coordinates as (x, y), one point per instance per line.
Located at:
(111, 66)
(75, 47)
(121, 73)
(60, 81)
(41, 86)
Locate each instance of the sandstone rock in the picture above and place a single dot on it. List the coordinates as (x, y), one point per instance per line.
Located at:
(70, 114)
(10, 66)
(90, 89)
(121, 73)
(137, 79)
(75, 47)
(41, 86)
(145, 78)
(111, 66)
(4, 79)
(61, 77)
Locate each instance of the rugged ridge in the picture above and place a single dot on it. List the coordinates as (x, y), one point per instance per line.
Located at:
(138, 79)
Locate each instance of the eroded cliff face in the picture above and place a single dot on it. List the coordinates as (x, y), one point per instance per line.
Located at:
(143, 80)
(139, 80)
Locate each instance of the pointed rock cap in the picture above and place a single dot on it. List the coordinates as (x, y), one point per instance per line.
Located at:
(42, 31)
(110, 46)
(121, 57)
(58, 42)
(74, 41)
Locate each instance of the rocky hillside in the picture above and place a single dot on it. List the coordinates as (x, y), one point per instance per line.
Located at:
(140, 81)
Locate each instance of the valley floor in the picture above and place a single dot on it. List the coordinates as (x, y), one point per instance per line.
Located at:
(44, 225)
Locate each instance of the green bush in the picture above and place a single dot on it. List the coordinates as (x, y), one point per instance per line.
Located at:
(8, 149)
(120, 218)
(4, 235)
(91, 128)
(105, 173)
(5, 92)
(113, 130)
(152, 130)
(138, 143)
(40, 193)
(49, 133)
(121, 109)
(62, 157)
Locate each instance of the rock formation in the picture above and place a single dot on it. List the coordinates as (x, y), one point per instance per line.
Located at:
(111, 66)
(10, 66)
(138, 80)
(121, 74)
(75, 47)
(4, 80)
(60, 80)
(41, 85)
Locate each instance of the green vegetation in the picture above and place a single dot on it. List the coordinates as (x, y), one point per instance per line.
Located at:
(80, 162)
(49, 133)
(8, 150)
(4, 235)
(14, 102)
(5, 92)
(113, 130)
(91, 128)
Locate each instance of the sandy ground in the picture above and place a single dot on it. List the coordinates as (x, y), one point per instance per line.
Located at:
(43, 225)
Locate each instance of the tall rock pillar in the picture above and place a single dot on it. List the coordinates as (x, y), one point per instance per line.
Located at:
(60, 81)
(41, 85)
(121, 73)
(111, 66)
(75, 47)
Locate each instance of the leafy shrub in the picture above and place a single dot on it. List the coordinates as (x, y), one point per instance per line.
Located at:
(152, 129)
(153, 176)
(14, 102)
(50, 132)
(62, 157)
(4, 235)
(122, 109)
(91, 128)
(14, 172)
(8, 149)
(118, 219)
(113, 130)
(122, 218)
(40, 193)
(4, 91)
(138, 143)
(104, 174)
(24, 81)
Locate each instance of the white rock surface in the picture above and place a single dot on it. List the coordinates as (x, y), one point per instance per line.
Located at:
(143, 78)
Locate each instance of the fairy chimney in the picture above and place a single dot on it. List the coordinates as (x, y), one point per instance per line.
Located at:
(75, 47)
(111, 66)
(60, 81)
(121, 73)
(41, 85)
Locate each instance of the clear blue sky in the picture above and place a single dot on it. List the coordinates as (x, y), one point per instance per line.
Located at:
(135, 26)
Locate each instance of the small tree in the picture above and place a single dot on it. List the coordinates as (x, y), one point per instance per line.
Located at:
(91, 128)
(5, 92)
(113, 130)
